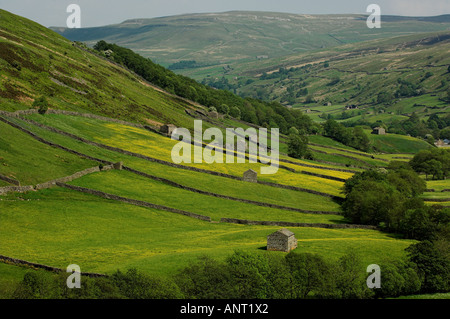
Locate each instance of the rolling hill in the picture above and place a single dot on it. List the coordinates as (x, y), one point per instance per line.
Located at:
(303, 61)
(91, 181)
(218, 38)
(410, 71)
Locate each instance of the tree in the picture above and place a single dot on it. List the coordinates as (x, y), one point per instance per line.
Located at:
(249, 275)
(235, 112)
(373, 197)
(360, 139)
(435, 162)
(350, 280)
(293, 130)
(433, 268)
(310, 99)
(42, 104)
(206, 279)
(371, 203)
(407, 182)
(399, 278)
(310, 274)
(136, 285)
(298, 146)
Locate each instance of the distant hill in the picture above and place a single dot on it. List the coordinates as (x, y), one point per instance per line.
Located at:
(218, 38)
(378, 80)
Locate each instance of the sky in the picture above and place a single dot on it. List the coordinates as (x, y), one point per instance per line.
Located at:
(105, 12)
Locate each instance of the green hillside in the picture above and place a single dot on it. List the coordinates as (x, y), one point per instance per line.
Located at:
(136, 208)
(37, 62)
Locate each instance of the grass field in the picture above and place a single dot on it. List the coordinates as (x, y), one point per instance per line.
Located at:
(393, 143)
(65, 227)
(59, 227)
(202, 181)
(31, 162)
(129, 185)
(153, 145)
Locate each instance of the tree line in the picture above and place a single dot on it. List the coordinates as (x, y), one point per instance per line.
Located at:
(390, 199)
(244, 275)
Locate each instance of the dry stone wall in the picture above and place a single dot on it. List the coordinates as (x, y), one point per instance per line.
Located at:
(49, 184)
(133, 201)
(15, 189)
(19, 262)
(9, 180)
(171, 183)
(333, 178)
(291, 224)
(115, 149)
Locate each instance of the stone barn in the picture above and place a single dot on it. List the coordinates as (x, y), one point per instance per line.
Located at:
(213, 114)
(118, 165)
(167, 128)
(250, 176)
(282, 240)
(379, 131)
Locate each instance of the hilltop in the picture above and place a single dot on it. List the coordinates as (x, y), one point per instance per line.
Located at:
(218, 39)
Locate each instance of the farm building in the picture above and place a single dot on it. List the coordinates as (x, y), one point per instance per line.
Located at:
(118, 165)
(442, 143)
(213, 114)
(282, 240)
(250, 176)
(379, 131)
(167, 128)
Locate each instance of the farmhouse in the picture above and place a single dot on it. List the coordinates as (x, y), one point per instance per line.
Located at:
(167, 128)
(282, 240)
(379, 131)
(250, 176)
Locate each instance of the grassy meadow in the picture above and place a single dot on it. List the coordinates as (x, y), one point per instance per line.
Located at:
(65, 227)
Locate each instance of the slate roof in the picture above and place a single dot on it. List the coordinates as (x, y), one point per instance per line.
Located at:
(285, 232)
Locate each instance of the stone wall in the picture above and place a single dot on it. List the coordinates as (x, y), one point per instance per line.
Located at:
(19, 262)
(133, 201)
(348, 151)
(333, 178)
(248, 201)
(291, 224)
(321, 167)
(73, 176)
(9, 180)
(15, 189)
(52, 183)
(21, 113)
(115, 149)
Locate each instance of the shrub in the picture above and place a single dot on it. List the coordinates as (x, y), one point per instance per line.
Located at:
(42, 105)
